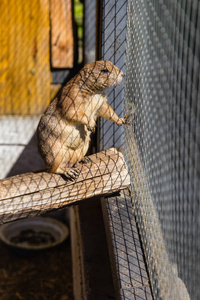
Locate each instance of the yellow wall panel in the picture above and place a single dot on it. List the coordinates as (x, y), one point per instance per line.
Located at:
(25, 75)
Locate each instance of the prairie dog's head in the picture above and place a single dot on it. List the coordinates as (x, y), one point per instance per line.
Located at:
(100, 74)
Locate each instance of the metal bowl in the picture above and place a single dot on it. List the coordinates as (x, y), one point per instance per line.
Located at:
(33, 234)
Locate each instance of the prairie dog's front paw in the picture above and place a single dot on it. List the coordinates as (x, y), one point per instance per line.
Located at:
(91, 126)
(124, 120)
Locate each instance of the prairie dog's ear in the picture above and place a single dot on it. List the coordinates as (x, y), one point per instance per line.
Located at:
(86, 72)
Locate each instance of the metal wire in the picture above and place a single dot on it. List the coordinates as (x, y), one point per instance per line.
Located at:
(132, 279)
(162, 143)
(23, 195)
(156, 44)
(162, 90)
(113, 49)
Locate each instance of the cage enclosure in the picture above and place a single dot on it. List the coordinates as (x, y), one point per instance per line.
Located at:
(137, 235)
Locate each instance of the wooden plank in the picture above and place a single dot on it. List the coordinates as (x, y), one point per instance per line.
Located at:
(126, 255)
(31, 193)
(24, 57)
(62, 43)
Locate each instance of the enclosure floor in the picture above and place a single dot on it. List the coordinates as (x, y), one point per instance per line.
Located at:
(47, 276)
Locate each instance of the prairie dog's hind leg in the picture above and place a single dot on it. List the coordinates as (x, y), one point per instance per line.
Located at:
(84, 160)
(69, 173)
(63, 164)
(66, 160)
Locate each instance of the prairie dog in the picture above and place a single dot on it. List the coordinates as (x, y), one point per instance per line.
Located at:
(65, 127)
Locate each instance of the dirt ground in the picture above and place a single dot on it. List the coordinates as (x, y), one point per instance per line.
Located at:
(46, 276)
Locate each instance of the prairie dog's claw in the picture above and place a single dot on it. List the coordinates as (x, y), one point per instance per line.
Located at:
(91, 125)
(91, 128)
(72, 173)
(126, 120)
(86, 159)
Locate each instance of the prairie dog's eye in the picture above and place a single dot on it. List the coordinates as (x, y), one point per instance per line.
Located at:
(105, 71)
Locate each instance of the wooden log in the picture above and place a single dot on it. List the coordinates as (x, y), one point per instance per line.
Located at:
(33, 193)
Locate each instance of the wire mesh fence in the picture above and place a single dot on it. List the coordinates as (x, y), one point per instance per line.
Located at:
(162, 90)
(156, 45)
(161, 95)
(113, 49)
(64, 132)
(65, 127)
(27, 54)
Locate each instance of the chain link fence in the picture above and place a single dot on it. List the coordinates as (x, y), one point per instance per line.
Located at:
(161, 95)
(62, 129)
(32, 47)
(162, 144)
(126, 255)
(156, 45)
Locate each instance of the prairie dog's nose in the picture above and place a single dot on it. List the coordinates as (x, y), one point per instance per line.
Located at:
(119, 77)
(121, 74)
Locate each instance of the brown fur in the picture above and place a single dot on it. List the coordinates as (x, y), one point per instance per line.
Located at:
(65, 127)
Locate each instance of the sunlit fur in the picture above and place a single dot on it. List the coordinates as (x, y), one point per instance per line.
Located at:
(65, 127)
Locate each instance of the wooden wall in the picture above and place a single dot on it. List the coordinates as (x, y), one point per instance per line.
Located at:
(25, 53)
